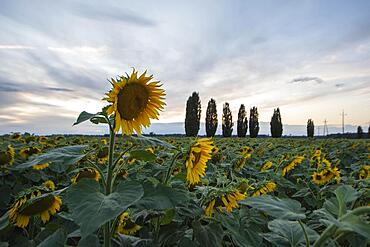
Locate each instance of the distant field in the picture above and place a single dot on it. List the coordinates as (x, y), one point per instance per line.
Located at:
(324, 179)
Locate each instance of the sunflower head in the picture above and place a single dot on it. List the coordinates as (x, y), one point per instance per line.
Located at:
(7, 156)
(33, 204)
(90, 173)
(266, 166)
(196, 163)
(134, 100)
(40, 166)
(126, 225)
(49, 184)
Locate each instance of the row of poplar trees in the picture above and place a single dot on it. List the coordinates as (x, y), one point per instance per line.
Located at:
(192, 120)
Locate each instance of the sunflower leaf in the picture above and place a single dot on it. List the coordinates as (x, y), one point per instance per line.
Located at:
(65, 155)
(286, 209)
(58, 238)
(142, 155)
(94, 117)
(148, 141)
(91, 208)
(288, 233)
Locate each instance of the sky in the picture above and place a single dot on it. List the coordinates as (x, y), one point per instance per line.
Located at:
(309, 58)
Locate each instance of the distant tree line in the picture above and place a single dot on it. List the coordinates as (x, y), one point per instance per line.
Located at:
(193, 113)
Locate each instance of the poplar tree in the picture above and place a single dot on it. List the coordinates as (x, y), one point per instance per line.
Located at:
(242, 124)
(276, 126)
(310, 128)
(192, 118)
(359, 132)
(211, 118)
(254, 127)
(227, 121)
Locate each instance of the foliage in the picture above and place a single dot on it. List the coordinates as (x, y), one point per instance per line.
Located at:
(227, 121)
(211, 118)
(192, 119)
(242, 124)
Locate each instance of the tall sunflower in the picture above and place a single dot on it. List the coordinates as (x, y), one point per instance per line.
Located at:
(33, 204)
(134, 101)
(200, 153)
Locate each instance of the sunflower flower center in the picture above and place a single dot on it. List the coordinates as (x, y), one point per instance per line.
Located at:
(132, 100)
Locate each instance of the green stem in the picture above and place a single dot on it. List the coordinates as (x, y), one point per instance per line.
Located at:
(170, 168)
(108, 185)
(305, 234)
(329, 231)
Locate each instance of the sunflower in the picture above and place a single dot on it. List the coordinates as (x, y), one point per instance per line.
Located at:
(90, 173)
(7, 156)
(318, 178)
(266, 166)
(246, 152)
(228, 200)
(16, 136)
(239, 163)
(209, 209)
(364, 172)
(40, 166)
(103, 155)
(28, 151)
(266, 188)
(196, 163)
(49, 185)
(126, 225)
(32, 204)
(297, 160)
(134, 101)
(42, 139)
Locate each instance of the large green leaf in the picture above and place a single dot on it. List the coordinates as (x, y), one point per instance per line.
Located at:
(286, 209)
(58, 238)
(142, 155)
(355, 223)
(208, 235)
(91, 208)
(89, 241)
(4, 221)
(241, 235)
(161, 197)
(288, 233)
(65, 155)
(148, 141)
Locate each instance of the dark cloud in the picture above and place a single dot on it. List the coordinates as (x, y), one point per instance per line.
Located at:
(117, 14)
(307, 79)
(339, 85)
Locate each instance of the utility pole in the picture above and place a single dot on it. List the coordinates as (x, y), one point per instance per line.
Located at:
(343, 121)
(325, 128)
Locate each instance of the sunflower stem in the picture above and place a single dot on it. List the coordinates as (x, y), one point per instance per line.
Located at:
(305, 234)
(170, 168)
(108, 185)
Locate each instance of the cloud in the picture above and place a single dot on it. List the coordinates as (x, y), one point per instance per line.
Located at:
(307, 79)
(117, 14)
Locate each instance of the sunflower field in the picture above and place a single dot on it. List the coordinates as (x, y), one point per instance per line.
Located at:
(134, 190)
